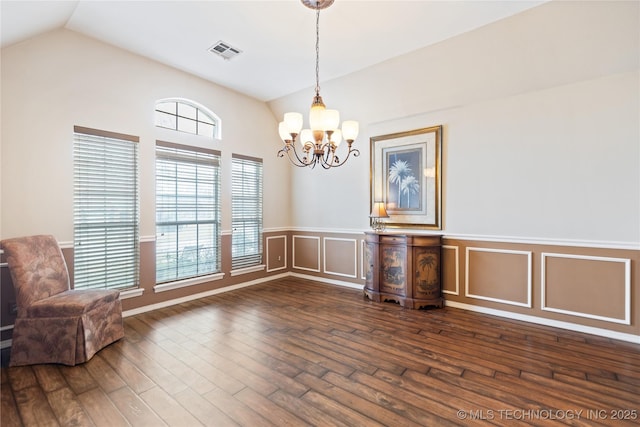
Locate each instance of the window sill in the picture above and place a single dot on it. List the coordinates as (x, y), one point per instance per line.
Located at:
(187, 282)
(246, 270)
(131, 293)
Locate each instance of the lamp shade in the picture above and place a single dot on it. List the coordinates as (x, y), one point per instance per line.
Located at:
(284, 132)
(316, 117)
(350, 130)
(306, 136)
(293, 122)
(331, 119)
(378, 210)
(336, 137)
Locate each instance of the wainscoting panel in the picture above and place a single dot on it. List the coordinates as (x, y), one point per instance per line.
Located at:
(306, 253)
(499, 275)
(449, 269)
(276, 253)
(341, 257)
(587, 286)
(591, 287)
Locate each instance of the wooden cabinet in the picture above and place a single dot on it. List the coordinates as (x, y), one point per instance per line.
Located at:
(403, 268)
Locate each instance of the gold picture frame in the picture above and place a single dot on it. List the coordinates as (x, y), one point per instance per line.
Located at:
(406, 174)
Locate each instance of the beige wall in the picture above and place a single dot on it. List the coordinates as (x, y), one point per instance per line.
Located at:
(540, 114)
(61, 79)
(540, 118)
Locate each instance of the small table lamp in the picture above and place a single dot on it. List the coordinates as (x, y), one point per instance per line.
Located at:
(378, 211)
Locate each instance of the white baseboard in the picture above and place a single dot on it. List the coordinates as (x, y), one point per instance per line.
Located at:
(329, 281)
(169, 303)
(547, 322)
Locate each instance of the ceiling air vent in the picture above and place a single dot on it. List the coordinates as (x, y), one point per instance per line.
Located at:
(224, 50)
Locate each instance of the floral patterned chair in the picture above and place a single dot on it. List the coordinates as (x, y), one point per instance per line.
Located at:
(56, 324)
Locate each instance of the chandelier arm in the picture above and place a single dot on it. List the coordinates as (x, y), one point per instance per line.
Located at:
(326, 164)
(295, 152)
(326, 150)
(296, 161)
(335, 160)
(329, 154)
(355, 152)
(330, 159)
(287, 150)
(300, 162)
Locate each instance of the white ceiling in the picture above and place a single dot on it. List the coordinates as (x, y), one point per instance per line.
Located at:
(277, 38)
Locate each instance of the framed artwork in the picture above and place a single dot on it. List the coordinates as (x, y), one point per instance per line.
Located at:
(406, 176)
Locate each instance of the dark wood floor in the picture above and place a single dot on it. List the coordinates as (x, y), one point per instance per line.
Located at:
(294, 352)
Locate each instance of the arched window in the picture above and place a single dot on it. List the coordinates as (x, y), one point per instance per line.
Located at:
(187, 116)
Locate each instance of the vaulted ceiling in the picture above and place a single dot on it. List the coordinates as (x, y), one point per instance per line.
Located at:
(276, 38)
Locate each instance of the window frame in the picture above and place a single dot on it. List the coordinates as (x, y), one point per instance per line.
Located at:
(200, 157)
(203, 116)
(241, 214)
(112, 262)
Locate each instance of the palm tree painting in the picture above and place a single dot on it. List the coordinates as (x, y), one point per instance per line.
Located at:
(403, 179)
(427, 275)
(410, 186)
(393, 268)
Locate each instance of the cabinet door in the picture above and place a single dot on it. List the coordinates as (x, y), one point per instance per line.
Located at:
(393, 271)
(427, 272)
(369, 264)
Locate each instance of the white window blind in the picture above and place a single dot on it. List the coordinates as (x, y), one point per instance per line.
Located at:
(187, 212)
(246, 221)
(106, 244)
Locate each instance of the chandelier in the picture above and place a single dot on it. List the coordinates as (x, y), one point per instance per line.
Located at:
(318, 143)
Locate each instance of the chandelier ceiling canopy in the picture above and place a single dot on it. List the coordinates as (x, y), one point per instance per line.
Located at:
(319, 142)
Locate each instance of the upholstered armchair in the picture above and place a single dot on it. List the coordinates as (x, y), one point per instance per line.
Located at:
(56, 324)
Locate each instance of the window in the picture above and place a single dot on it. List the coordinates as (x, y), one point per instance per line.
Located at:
(246, 207)
(187, 116)
(187, 212)
(106, 244)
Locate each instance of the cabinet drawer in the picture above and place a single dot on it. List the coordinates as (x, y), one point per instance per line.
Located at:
(425, 241)
(397, 240)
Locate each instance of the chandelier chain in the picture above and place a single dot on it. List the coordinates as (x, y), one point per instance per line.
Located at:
(317, 51)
